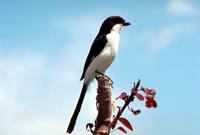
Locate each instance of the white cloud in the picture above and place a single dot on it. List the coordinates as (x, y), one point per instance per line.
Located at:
(38, 93)
(160, 39)
(167, 35)
(79, 26)
(37, 126)
(182, 7)
(23, 82)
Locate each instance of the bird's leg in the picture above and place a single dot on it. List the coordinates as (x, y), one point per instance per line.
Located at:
(102, 74)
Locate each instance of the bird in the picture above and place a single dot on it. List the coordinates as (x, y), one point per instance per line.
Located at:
(101, 55)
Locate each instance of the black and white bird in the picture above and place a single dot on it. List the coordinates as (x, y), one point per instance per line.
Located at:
(101, 55)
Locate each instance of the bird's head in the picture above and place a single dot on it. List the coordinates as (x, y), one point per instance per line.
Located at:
(114, 23)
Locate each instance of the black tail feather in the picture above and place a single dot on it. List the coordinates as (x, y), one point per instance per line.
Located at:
(77, 109)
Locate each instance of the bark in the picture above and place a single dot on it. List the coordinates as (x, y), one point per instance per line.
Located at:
(103, 120)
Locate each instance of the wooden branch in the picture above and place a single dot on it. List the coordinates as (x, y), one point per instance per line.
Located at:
(103, 120)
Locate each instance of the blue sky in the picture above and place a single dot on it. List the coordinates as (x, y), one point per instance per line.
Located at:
(43, 45)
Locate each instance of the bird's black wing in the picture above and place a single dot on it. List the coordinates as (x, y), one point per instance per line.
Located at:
(97, 46)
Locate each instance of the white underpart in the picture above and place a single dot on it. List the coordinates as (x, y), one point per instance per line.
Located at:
(107, 55)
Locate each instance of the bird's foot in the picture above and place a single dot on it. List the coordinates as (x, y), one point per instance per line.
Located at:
(102, 74)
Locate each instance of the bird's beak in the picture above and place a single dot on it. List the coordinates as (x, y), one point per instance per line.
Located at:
(126, 24)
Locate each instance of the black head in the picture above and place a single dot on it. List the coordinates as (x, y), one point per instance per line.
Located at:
(110, 22)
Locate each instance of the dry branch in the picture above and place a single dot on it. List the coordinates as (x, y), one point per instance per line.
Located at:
(103, 120)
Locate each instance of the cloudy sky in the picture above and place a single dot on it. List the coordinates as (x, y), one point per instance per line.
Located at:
(43, 45)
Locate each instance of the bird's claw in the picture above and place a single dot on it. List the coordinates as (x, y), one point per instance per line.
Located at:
(102, 74)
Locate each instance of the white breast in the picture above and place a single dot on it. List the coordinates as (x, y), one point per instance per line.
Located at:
(113, 41)
(107, 55)
(105, 58)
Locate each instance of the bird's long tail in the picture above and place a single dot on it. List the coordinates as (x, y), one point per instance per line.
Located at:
(77, 109)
